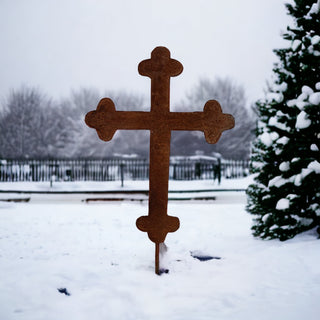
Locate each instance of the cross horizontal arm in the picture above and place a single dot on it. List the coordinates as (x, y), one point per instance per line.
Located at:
(120, 120)
(106, 120)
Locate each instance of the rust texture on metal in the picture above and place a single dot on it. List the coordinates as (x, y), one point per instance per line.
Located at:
(160, 121)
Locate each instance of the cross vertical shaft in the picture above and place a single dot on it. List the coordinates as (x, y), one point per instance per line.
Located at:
(159, 68)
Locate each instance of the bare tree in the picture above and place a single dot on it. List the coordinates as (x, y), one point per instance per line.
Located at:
(31, 126)
(87, 143)
(233, 143)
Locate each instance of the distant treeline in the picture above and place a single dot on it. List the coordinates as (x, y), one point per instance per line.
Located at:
(32, 125)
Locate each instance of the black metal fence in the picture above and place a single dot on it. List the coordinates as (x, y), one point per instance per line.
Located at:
(233, 169)
(115, 169)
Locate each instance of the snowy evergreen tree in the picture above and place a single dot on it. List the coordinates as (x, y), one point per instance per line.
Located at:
(285, 198)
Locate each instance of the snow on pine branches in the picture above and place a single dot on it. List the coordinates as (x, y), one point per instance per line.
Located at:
(285, 198)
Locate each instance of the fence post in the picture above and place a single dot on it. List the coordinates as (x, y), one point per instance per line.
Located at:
(217, 171)
(122, 173)
(175, 171)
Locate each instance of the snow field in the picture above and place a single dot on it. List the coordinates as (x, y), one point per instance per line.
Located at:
(78, 186)
(107, 265)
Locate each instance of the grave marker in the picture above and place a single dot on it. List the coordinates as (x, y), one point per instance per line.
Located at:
(160, 121)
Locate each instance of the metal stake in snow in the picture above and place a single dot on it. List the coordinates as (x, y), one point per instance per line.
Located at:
(160, 121)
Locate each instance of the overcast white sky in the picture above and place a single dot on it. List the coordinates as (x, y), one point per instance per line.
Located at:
(59, 45)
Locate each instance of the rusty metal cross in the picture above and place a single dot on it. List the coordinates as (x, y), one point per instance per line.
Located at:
(160, 121)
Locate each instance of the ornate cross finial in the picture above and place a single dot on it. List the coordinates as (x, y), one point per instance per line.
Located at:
(160, 68)
(160, 121)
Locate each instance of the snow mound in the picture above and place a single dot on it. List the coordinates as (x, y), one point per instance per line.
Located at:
(303, 120)
(283, 204)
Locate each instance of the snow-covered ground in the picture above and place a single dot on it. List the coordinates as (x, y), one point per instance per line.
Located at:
(95, 251)
(79, 186)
